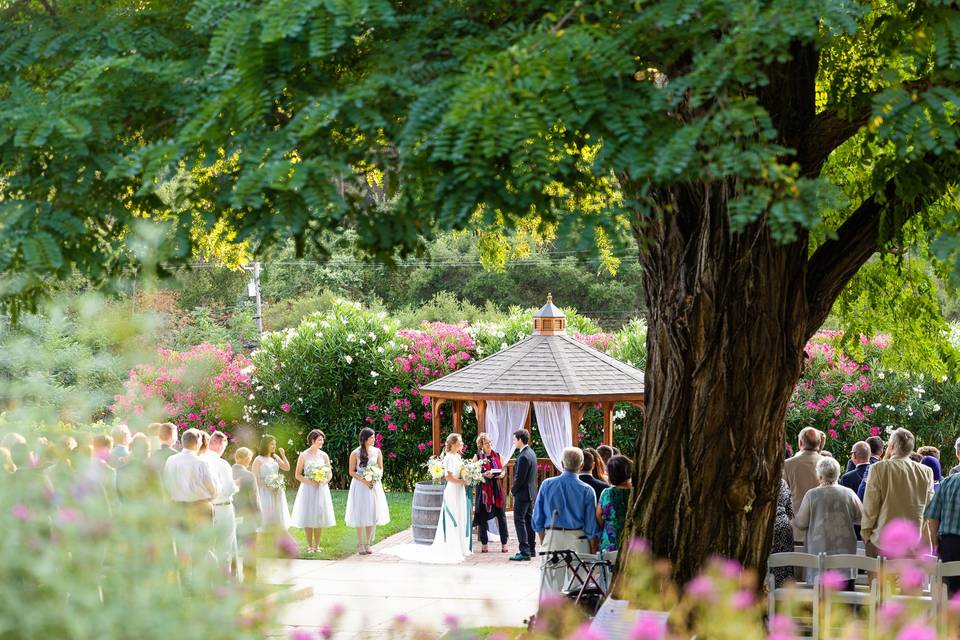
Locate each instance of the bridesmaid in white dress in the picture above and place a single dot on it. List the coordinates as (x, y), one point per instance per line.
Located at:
(451, 543)
(366, 503)
(273, 502)
(313, 506)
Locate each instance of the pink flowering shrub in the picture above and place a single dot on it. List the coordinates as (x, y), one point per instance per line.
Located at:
(852, 399)
(202, 387)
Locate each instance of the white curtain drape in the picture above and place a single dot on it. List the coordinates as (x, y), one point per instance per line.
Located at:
(502, 419)
(553, 423)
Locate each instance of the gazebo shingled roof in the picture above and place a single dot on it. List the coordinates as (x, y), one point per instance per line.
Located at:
(547, 366)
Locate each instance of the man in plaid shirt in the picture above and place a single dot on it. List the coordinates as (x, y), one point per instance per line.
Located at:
(943, 518)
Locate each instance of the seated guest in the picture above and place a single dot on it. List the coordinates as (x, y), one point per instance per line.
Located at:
(565, 515)
(828, 514)
(587, 475)
(896, 487)
(612, 509)
(934, 464)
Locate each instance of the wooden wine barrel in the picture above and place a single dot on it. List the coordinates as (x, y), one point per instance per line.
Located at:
(427, 501)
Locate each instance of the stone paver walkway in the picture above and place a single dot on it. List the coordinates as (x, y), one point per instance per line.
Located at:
(486, 590)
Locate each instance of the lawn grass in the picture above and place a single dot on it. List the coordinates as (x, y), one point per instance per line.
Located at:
(482, 633)
(340, 541)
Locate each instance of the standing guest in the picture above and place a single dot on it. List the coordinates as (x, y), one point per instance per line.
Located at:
(934, 464)
(224, 516)
(366, 502)
(896, 487)
(12, 438)
(783, 532)
(490, 497)
(614, 500)
(876, 448)
(860, 457)
(313, 507)
(101, 472)
(524, 491)
(136, 478)
(167, 435)
(956, 451)
(606, 452)
(270, 461)
(80, 457)
(121, 445)
(204, 442)
(828, 514)
(800, 471)
(153, 435)
(587, 473)
(565, 517)
(927, 450)
(247, 505)
(943, 523)
(599, 468)
(6, 462)
(190, 484)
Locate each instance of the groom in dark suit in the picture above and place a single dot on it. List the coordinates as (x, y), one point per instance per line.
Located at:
(524, 492)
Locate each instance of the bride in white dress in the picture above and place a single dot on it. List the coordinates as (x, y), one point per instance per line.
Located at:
(451, 544)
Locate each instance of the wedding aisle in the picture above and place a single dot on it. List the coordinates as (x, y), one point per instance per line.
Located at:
(486, 590)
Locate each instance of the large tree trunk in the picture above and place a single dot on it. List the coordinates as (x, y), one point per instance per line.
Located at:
(727, 325)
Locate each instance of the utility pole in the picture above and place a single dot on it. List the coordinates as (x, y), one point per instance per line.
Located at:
(253, 291)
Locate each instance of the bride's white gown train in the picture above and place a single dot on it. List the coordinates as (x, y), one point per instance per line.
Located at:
(451, 544)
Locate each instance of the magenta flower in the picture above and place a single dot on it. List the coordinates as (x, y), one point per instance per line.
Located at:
(21, 511)
(638, 545)
(917, 631)
(451, 621)
(392, 427)
(585, 632)
(648, 627)
(394, 390)
(287, 546)
(425, 401)
(742, 600)
(301, 634)
(833, 580)
(912, 578)
(782, 627)
(286, 407)
(899, 538)
(701, 587)
(891, 610)
(326, 632)
(422, 447)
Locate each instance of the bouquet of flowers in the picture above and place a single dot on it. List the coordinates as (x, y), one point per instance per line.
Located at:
(276, 482)
(318, 472)
(372, 473)
(472, 472)
(435, 468)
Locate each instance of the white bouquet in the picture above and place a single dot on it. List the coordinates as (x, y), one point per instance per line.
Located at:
(318, 472)
(472, 472)
(372, 473)
(276, 482)
(435, 468)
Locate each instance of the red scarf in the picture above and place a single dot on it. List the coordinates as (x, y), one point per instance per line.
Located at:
(491, 491)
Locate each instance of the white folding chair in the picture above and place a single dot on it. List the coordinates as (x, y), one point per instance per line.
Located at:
(890, 589)
(941, 593)
(867, 596)
(798, 592)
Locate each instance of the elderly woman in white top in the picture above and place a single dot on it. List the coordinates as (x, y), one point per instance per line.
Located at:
(827, 515)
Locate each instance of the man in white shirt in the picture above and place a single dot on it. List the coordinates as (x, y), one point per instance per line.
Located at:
(224, 516)
(189, 483)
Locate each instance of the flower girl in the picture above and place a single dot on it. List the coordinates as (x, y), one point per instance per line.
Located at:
(313, 507)
(270, 483)
(366, 502)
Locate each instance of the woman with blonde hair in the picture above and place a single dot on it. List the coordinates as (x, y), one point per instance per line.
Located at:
(490, 494)
(451, 543)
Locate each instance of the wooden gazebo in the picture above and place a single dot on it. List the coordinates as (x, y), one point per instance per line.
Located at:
(548, 366)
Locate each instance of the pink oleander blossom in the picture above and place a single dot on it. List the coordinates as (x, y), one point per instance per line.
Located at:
(899, 538)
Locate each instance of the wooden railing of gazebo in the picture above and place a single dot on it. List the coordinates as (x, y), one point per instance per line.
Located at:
(545, 469)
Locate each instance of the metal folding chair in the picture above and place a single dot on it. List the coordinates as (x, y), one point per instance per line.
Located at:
(586, 578)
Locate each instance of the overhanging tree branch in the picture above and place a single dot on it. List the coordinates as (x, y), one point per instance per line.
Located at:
(828, 131)
(837, 260)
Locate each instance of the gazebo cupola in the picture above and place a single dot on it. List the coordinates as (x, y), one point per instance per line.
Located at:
(549, 320)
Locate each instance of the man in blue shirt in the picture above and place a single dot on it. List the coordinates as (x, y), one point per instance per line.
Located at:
(565, 514)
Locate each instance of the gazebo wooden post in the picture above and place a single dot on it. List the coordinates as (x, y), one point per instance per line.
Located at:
(457, 418)
(435, 415)
(576, 417)
(608, 424)
(481, 408)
